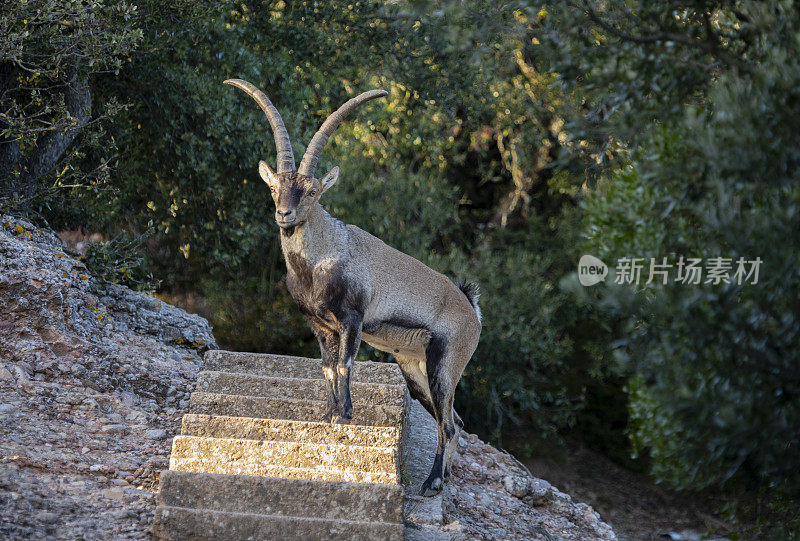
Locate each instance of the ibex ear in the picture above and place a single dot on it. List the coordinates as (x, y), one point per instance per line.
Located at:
(330, 179)
(267, 175)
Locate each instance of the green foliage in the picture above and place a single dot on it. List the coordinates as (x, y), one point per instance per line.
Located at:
(258, 315)
(120, 261)
(206, 174)
(713, 172)
(533, 363)
(50, 49)
(454, 168)
(444, 169)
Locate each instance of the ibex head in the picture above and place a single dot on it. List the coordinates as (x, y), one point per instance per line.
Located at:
(296, 190)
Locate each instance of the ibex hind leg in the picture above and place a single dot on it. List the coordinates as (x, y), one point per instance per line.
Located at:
(445, 434)
(452, 445)
(446, 356)
(451, 452)
(417, 381)
(440, 360)
(415, 373)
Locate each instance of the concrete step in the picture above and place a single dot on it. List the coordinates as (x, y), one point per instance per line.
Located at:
(290, 409)
(249, 457)
(284, 472)
(178, 523)
(284, 497)
(282, 366)
(257, 460)
(279, 387)
(248, 428)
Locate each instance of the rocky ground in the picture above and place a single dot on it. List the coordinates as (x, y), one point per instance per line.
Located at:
(94, 379)
(493, 496)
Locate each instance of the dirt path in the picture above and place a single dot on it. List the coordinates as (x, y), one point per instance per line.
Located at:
(634, 506)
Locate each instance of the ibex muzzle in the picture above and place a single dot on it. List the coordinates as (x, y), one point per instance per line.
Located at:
(352, 287)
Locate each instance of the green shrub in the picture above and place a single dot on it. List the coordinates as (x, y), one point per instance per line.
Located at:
(716, 399)
(120, 260)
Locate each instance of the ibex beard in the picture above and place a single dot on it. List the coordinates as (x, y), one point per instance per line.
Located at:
(351, 286)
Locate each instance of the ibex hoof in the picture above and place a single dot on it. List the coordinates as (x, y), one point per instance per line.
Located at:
(330, 416)
(339, 420)
(431, 488)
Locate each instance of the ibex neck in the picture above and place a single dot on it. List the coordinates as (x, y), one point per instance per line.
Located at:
(310, 239)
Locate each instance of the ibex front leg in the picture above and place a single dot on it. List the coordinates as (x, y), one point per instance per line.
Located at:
(329, 347)
(349, 340)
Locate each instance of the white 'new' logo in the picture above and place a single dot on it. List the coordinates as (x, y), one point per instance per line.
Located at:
(591, 270)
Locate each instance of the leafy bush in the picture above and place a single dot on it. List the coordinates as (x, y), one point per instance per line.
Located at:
(541, 347)
(47, 122)
(714, 400)
(257, 315)
(120, 260)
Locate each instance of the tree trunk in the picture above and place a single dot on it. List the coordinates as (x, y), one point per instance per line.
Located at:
(20, 174)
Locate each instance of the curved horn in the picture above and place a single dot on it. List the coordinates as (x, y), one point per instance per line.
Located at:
(283, 146)
(309, 163)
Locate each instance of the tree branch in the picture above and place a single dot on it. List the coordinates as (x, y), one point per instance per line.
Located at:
(711, 47)
(51, 146)
(9, 146)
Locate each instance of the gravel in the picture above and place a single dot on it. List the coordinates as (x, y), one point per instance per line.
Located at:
(156, 434)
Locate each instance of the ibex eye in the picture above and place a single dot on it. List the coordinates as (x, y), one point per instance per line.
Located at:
(312, 193)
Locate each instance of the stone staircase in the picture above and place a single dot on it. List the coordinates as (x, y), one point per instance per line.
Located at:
(253, 460)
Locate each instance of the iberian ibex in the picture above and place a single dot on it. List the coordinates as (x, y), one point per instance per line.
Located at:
(352, 287)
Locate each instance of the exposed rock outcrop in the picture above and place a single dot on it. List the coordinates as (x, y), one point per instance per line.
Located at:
(53, 311)
(492, 496)
(92, 379)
